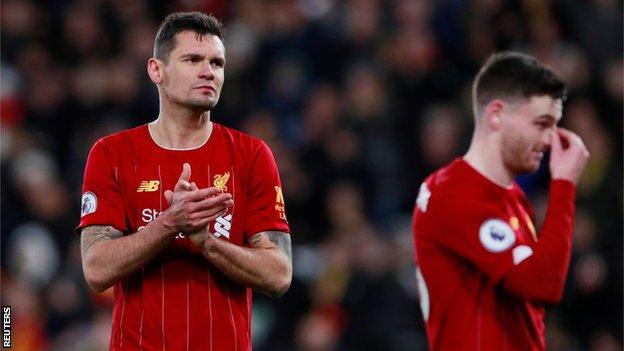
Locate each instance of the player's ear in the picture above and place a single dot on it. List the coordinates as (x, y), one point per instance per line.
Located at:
(154, 70)
(493, 112)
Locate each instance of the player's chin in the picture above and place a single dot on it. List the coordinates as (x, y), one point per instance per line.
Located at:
(205, 104)
(531, 166)
(525, 165)
(531, 161)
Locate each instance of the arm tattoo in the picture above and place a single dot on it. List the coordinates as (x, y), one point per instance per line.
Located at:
(254, 239)
(94, 233)
(281, 239)
(283, 242)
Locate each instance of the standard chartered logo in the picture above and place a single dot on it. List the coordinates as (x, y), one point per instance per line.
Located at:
(222, 226)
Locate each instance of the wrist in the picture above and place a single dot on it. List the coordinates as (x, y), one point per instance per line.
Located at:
(165, 223)
(210, 244)
(559, 177)
(562, 185)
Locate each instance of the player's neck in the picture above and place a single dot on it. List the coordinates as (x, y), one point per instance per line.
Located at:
(181, 131)
(487, 161)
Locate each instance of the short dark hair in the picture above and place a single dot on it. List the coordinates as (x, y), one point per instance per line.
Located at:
(177, 22)
(512, 74)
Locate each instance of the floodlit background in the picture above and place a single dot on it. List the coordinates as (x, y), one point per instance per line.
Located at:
(359, 100)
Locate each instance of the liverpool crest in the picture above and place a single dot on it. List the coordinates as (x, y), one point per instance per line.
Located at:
(220, 181)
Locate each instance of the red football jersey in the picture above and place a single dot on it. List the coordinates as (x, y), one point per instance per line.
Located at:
(179, 301)
(468, 233)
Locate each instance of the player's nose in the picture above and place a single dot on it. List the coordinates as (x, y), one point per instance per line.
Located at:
(546, 139)
(206, 72)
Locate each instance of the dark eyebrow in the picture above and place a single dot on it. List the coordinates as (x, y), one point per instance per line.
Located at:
(547, 116)
(220, 60)
(191, 55)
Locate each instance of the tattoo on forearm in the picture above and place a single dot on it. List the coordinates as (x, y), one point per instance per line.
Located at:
(92, 234)
(282, 240)
(254, 239)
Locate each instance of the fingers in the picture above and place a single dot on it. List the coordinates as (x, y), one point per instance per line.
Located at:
(570, 138)
(205, 192)
(556, 141)
(564, 132)
(565, 136)
(168, 196)
(223, 199)
(183, 183)
(211, 213)
(201, 198)
(569, 156)
(186, 172)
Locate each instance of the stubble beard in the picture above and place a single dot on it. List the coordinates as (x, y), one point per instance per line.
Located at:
(200, 105)
(517, 157)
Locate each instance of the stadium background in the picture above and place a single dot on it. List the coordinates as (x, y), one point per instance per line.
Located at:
(358, 99)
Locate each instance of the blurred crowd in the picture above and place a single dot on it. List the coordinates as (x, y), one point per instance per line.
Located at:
(358, 99)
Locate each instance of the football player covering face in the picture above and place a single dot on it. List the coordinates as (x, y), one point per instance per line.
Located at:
(526, 132)
(512, 135)
(485, 273)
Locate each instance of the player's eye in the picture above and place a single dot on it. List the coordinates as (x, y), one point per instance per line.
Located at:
(542, 125)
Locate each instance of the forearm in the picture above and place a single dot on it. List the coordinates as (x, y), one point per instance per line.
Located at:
(106, 262)
(541, 277)
(267, 270)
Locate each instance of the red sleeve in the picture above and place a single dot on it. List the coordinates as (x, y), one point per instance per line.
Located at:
(470, 230)
(102, 202)
(541, 277)
(264, 195)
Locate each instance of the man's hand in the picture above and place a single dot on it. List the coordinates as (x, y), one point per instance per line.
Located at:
(200, 237)
(191, 209)
(568, 156)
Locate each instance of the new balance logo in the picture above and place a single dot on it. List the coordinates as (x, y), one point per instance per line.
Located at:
(148, 186)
